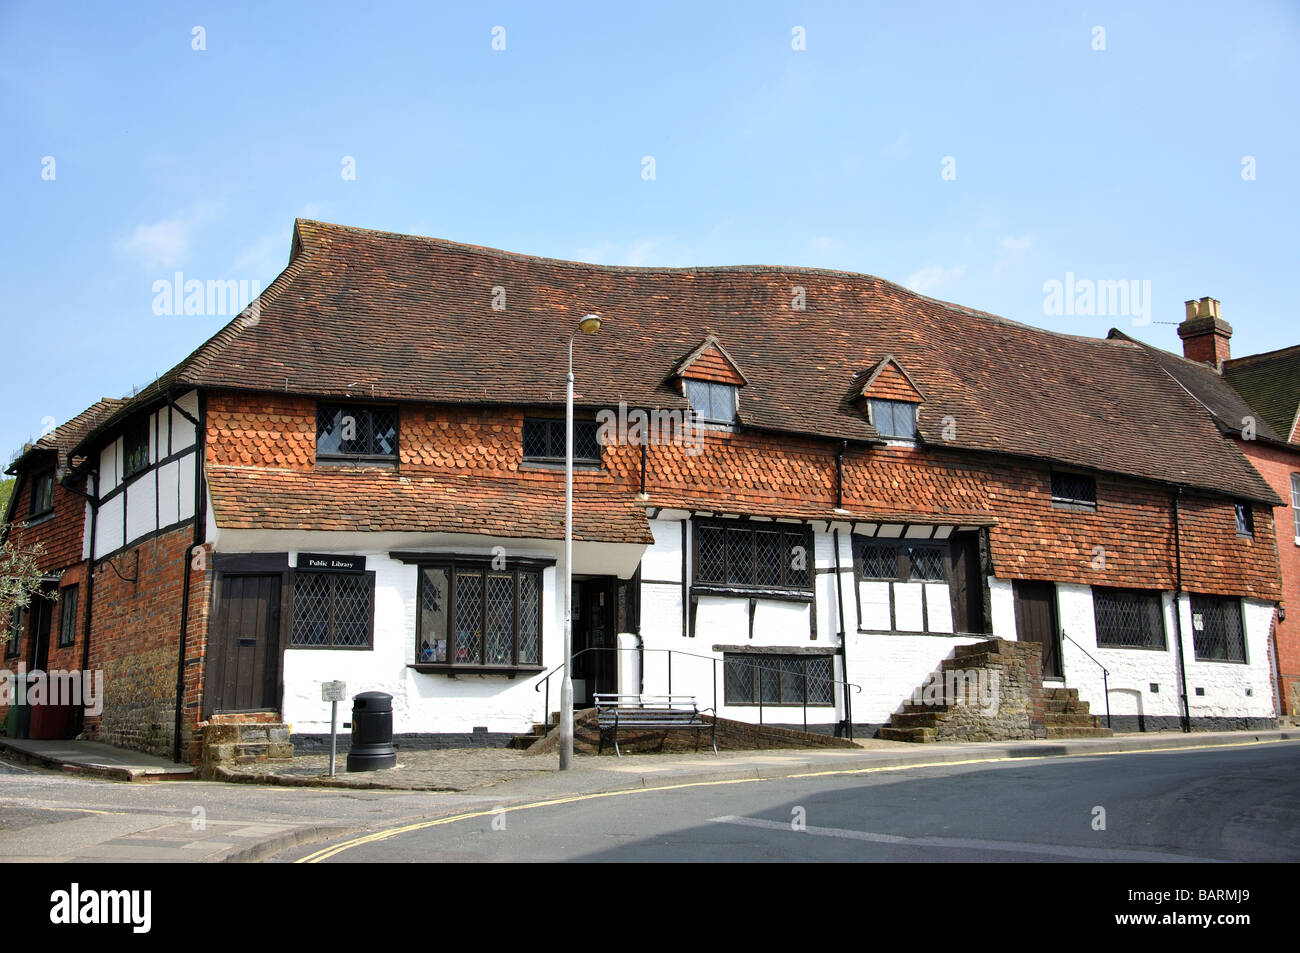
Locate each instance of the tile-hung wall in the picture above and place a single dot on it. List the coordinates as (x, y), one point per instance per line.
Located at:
(146, 478)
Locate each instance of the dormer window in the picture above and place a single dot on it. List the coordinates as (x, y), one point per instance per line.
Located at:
(714, 403)
(895, 419)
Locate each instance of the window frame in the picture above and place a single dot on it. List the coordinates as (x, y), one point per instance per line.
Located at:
(782, 588)
(752, 661)
(135, 437)
(1113, 591)
(1245, 517)
(351, 408)
(1193, 599)
(551, 422)
(38, 479)
(69, 597)
(1063, 501)
(483, 565)
(1295, 505)
(877, 404)
(332, 645)
(713, 389)
(14, 632)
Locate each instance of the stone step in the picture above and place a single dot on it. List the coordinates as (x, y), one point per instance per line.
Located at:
(1068, 708)
(1064, 720)
(915, 735)
(524, 742)
(913, 708)
(1076, 732)
(918, 719)
(1061, 693)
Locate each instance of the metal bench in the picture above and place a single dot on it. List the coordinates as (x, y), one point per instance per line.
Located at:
(657, 712)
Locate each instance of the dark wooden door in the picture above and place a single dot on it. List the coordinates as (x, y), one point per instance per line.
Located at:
(1036, 622)
(967, 584)
(41, 613)
(244, 664)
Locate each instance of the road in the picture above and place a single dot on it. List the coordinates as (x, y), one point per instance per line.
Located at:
(1238, 804)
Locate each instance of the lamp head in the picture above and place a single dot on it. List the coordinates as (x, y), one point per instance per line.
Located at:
(590, 324)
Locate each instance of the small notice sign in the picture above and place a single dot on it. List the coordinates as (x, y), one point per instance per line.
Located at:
(333, 691)
(331, 562)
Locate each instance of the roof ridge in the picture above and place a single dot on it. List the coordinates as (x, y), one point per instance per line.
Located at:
(1263, 355)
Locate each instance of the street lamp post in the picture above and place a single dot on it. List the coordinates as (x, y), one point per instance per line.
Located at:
(588, 325)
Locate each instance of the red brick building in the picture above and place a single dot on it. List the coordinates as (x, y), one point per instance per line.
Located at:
(797, 491)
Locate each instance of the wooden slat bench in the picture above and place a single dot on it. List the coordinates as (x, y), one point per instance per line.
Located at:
(656, 712)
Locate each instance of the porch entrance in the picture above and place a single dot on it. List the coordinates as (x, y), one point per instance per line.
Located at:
(1036, 621)
(244, 662)
(41, 613)
(595, 626)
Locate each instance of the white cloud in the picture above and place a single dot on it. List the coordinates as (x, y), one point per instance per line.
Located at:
(641, 253)
(1012, 251)
(165, 243)
(932, 277)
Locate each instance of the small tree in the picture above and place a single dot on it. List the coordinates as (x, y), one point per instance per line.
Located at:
(20, 575)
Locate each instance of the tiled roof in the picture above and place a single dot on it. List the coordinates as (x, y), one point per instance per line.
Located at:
(1234, 399)
(67, 435)
(408, 318)
(375, 500)
(1270, 383)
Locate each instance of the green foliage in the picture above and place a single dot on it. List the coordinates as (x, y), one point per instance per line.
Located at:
(20, 574)
(6, 490)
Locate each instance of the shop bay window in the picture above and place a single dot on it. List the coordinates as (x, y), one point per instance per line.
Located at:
(475, 616)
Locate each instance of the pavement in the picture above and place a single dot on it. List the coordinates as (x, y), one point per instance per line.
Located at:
(51, 815)
(92, 757)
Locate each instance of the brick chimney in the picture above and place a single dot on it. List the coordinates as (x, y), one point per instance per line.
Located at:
(1205, 334)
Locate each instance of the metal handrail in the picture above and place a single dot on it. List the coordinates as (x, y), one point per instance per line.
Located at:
(545, 681)
(1105, 673)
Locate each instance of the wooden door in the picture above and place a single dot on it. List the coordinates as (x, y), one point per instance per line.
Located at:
(1036, 622)
(244, 644)
(42, 611)
(967, 584)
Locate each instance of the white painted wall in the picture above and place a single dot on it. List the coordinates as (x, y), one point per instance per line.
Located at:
(160, 496)
(1132, 671)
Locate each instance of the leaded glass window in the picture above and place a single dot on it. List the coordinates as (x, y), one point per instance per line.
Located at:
(474, 615)
(752, 555)
(711, 401)
(749, 678)
(1074, 489)
(1129, 618)
(354, 431)
(544, 440)
(333, 610)
(894, 418)
(1217, 631)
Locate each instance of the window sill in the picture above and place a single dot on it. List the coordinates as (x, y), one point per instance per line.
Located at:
(1223, 661)
(39, 518)
(442, 668)
(578, 464)
(385, 462)
(741, 592)
(331, 648)
(1134, 648)
(1074, 505)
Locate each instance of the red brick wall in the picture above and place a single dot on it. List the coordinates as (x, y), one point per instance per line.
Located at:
(60, 535)
(1277, 465)
(135, 638)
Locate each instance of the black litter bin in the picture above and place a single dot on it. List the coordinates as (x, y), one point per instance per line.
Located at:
(372, 732)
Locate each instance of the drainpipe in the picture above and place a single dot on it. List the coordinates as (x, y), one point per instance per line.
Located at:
(844, 651)
(200, 520)
(1178, 612)
(643, 454)
(93, 501)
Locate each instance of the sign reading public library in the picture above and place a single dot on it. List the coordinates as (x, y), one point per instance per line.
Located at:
(331, 562)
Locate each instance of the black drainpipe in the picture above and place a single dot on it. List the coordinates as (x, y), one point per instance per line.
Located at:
(93, 500)
(1178, 612)
(844, 650)
(644, 442)
(200, 520)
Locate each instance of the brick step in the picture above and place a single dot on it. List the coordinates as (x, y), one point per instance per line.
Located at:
(915, 735)
(1076, 732)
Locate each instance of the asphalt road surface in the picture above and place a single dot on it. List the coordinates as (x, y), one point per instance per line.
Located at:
(1240, 804)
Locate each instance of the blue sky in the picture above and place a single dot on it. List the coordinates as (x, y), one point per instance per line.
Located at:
(1122, 163)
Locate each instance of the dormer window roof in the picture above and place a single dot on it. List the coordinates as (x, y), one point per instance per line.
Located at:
(711, 380)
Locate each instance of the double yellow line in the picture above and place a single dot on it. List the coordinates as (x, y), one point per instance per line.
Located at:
(373, 838)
